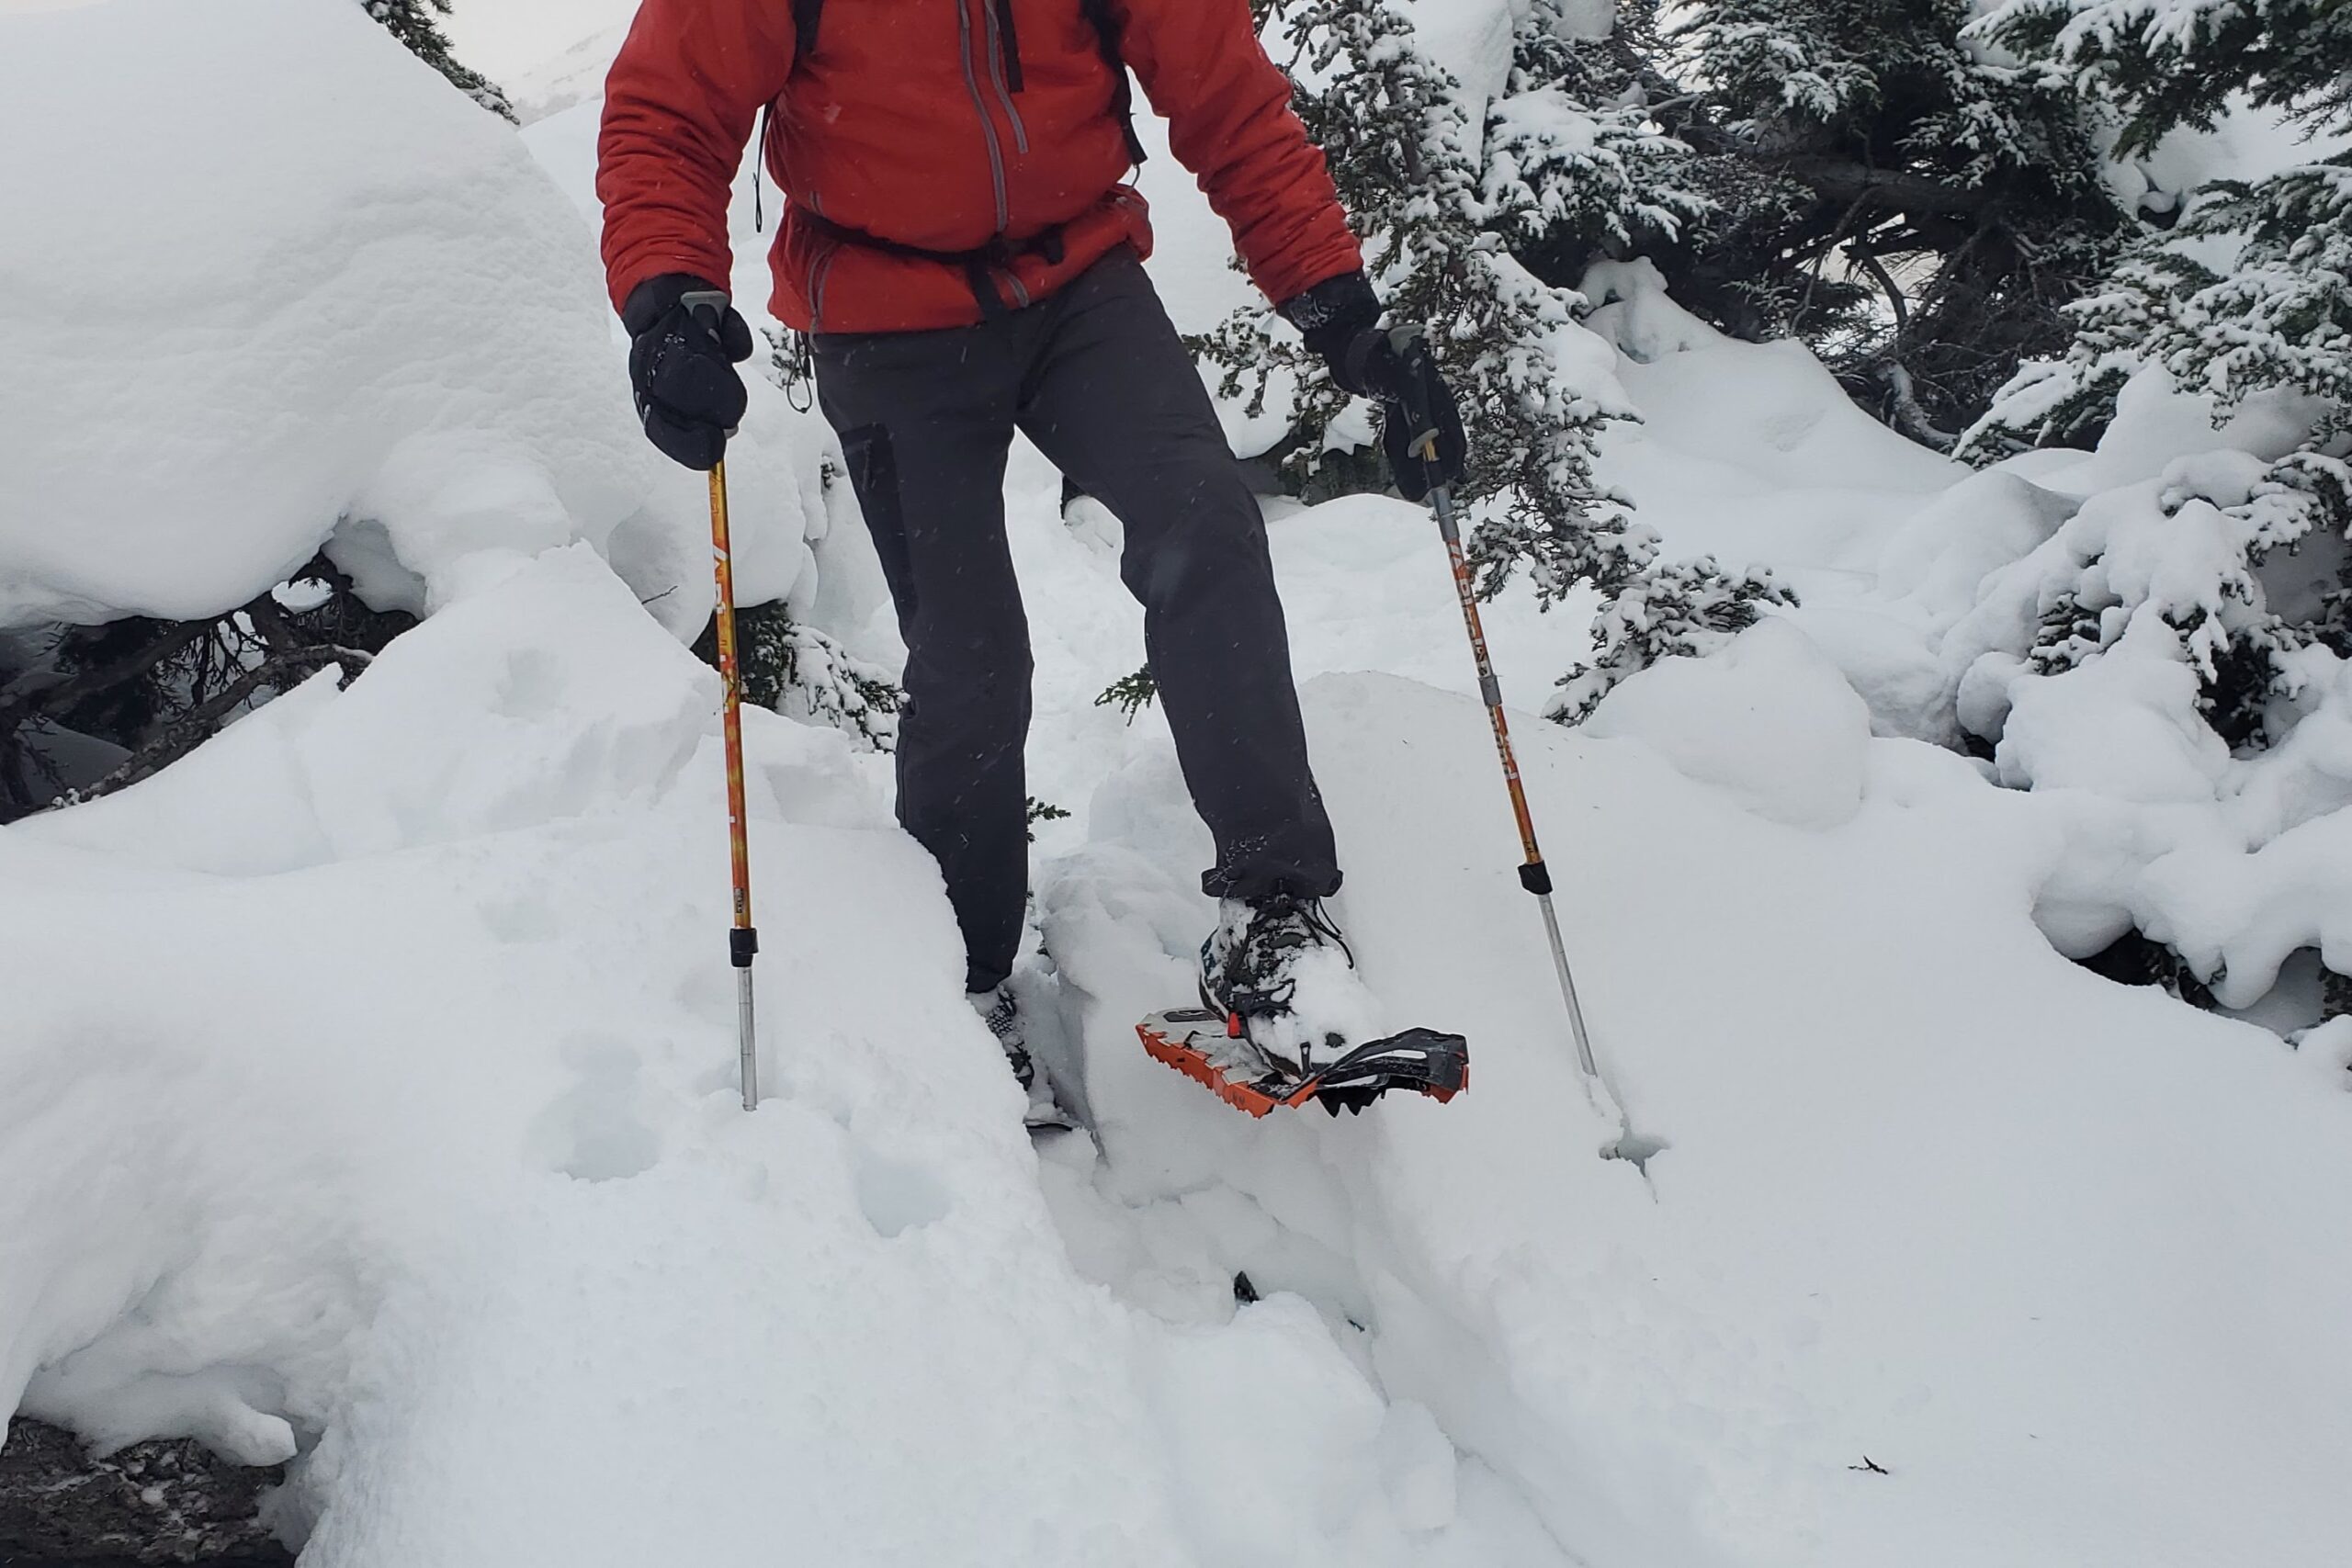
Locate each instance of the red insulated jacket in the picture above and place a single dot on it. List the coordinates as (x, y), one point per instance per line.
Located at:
(934, 153)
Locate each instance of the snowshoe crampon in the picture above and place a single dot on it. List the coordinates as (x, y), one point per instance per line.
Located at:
(1204, 1047)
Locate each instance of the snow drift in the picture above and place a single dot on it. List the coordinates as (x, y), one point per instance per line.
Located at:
(264, 274)
(366, 1078)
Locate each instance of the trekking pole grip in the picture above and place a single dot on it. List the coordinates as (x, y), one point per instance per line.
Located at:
(1411, 346)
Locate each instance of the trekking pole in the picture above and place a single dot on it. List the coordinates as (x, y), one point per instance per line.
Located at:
(1533, 875)
(743, 940)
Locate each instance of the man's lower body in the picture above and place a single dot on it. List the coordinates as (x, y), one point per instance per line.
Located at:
(1097, 378)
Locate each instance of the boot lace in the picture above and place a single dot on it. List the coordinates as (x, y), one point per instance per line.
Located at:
(1256, 975)
(1004, 1017)
(1003, 1021)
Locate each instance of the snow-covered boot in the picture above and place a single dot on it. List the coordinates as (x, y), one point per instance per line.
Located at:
(1280, 966)
(1000, 1011)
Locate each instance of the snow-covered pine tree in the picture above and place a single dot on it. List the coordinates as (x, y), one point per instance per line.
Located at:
(1445, 186)
(2278, 315)
(2247, 297)
(1693, 204)
(1389, 124)
(1960, 189)
(416, 24)
(1574, 169)
(2174, 63)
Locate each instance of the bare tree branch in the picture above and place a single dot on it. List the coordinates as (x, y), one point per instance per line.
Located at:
(46, 693)
(192, 729)
(1894, 296)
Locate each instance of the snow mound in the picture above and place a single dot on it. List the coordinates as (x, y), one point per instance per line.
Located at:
(336, 292)
(1632, 311)
(2239, 917)
(1728, 413)
(499, 720)
(2125, 726)
(1938, 558)
(2158, 423)
(1768, 718)
(414, 1144)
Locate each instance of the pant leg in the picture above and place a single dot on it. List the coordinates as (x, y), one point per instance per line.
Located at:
(1113, 401)
(926, 419)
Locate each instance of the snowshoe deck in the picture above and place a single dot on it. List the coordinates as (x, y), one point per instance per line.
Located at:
(1200, 1044)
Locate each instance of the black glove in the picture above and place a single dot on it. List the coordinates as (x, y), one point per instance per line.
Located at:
(682, 360)
(1420, 422)
(1339, 318)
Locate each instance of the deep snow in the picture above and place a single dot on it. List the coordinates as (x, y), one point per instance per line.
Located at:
(256, 299)
(365, 1083)
(286, 292)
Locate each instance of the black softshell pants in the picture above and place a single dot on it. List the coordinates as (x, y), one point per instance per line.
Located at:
(1097, 378)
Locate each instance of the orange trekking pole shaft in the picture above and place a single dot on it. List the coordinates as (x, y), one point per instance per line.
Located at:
(744, 939)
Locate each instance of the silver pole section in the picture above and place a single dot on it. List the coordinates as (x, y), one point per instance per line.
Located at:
(748, 1038)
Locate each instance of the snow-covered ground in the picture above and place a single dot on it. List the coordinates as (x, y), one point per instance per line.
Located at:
(365, 1080)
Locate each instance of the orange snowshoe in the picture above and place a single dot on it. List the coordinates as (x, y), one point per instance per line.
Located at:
(1212, 1049)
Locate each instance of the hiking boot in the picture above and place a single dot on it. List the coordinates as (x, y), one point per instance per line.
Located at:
(1280, 966)
(1000, 1011)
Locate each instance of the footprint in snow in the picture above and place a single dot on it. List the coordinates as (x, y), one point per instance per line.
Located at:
(897, 1196)
(520, 918)
(595, 1131)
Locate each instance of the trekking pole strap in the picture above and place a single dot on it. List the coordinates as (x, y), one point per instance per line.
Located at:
(1412, 346)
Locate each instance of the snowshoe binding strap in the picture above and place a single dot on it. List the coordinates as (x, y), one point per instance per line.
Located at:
(1196, 1042)
(1436, 1065)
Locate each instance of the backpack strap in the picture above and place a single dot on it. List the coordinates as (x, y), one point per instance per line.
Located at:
(1122, 93)
(807, 15)
(980, 265)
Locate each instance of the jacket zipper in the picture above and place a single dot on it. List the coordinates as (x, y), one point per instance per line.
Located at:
(999, 51)
(988, 124)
